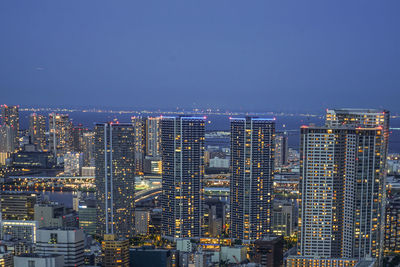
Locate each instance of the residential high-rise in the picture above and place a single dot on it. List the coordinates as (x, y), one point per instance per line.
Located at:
(342, 177)
(115, 251)
(68, 242)
(182, 140)
(392, 226)
(77, 138)
(252, 166)
(60, 139)
(139, 124)
(281, 150)
(10, 120)
(88, 149)
(115, 179)
(37, 131)
(153, 137)
(73, 162)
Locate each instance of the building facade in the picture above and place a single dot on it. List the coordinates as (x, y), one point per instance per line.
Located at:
(60, 134)
(10, 126)
(252, 166)
(115, 179)
(37, 131)
(182, 141)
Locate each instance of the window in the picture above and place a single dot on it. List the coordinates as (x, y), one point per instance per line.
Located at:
(53, 238)
(31, 263)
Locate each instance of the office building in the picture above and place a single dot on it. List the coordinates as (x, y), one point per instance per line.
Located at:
(150, 256)
(252, 166)
(6, 259)
(342, 173)
(115, 251)
(73, 162)
(10, 122)
(281, 150)
(68, 242)
(139, 124)
(37, 260)
(182, 140)
(60, 135)
(17, 206)
(18, 230)
(283, 218)
(87, 216)
(142, 221)
(268, 251)
(153, 137)
(37, 131)
(115, 180)
(33, 160)
(55, 215)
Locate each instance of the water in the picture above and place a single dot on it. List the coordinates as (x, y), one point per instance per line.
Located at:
(221, 122)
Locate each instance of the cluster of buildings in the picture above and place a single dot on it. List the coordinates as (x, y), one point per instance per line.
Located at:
(326, 205)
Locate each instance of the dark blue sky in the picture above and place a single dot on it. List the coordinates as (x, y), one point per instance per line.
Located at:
(253, 55)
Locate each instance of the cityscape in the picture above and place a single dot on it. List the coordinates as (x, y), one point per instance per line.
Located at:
(213, 133)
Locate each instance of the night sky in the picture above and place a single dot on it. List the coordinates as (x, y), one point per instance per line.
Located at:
(250, 55)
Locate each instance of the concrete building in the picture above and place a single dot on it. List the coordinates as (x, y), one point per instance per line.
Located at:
(281, 150)
(115, 251)
(88, 149)
(342, 174)
(37, 131)
(139, 124)
(37, 260)
(115, 179)
(73, 162)
(219, 163)
(60, 134)
(68, 242)
(17, 206)
(6, 259)
(87, 216)
(142, 221)
(392, 226)
(54, 215)
(19, 230)
(252, 166)
(268, 252)
(10, 122)
(153, 137)
(182, 141)
(283, 218)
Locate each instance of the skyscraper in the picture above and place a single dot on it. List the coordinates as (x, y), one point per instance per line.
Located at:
(342, 174)
(77, 138)
(281, 150)
(37, 131)
(88, 149)
(139, 124)
(182, 140)
(60, 138)
(10, 121)
(115, 179)
(153, 137)
(252, 165)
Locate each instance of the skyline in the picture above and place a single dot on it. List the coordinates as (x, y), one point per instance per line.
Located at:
(223, 54)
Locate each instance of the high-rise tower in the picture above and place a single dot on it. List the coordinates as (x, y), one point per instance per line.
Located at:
(10, 123)
(252, 165)
(37, 130)
(182, 141)
(60, 134)
(115, 179)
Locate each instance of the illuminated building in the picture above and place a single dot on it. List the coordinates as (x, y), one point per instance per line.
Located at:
(73, 162)
(341, 191)
(68, 242)
(37, 131)
(182, 140)
(252, 166)
(88, 149)
(281, 150)
(88, 216)
(17, 206)
(19, 230)
(142, 220)
(77, 138)
(296, 261)
(283, 218)
(60, 139)
(115, 251)
(10, 121)
(6, 258)
(392, 226)
(153, 137)
(115, 179)
(139, 124)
